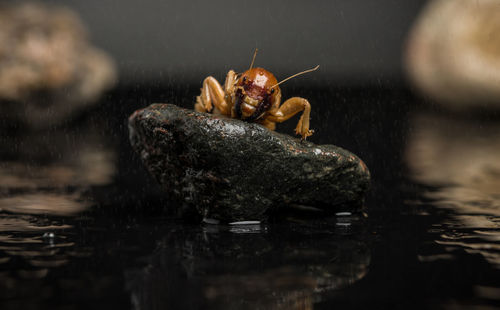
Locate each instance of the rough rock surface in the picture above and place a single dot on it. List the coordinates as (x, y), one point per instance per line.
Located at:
(232, 170)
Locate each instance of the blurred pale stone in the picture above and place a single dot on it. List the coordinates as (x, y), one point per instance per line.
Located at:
(453, 53)
(48, 69)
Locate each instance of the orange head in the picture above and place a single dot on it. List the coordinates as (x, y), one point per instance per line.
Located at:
(256, 91)
(257, 83)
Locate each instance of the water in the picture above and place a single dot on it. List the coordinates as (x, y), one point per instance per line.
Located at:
(82, 225)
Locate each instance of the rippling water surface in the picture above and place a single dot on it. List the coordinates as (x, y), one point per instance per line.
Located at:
(82, 225)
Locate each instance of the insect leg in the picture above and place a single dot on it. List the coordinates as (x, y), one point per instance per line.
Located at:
(212, 96)
(291, 107)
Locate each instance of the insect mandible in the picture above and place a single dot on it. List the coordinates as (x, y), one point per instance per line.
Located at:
(254, 96)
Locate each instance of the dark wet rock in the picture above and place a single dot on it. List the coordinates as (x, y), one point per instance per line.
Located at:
(230, 170)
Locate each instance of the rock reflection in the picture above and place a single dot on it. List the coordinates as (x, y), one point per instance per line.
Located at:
(278, 267)
(461, 160)
(69, 157)
(44, 203)
(44, 178)
(50, 172)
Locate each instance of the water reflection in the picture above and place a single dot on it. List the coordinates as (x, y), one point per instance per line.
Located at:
(460, 159)
(275, 267)
(49, 172)
(44, 178)
(59, 204)
(67, 157)
(30, 247)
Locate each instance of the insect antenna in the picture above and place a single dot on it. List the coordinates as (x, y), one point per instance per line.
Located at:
(253, 58)
(296, 74)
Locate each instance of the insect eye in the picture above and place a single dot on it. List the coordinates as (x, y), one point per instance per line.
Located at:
(272, 90)
(244, 79)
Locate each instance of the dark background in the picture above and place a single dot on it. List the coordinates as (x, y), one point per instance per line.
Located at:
(354, 41)
(126, 251)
